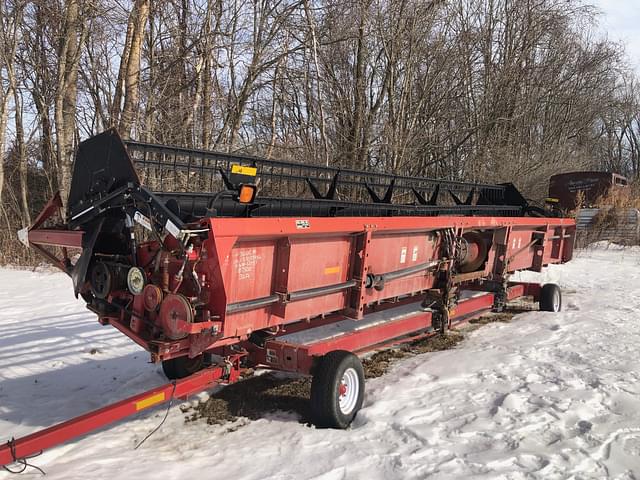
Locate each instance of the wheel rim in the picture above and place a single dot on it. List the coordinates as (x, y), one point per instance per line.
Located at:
(556, 301)
(348, 391)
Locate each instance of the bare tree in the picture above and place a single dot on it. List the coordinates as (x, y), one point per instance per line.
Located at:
(10, 19)
(138, 18)
(69, 49)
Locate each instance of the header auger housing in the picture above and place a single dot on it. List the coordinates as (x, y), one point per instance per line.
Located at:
(214, 262)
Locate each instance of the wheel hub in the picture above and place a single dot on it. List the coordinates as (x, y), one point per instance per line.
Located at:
(343, 389)
(348, 391)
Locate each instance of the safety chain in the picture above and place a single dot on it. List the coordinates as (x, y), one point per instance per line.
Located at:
(11, 444)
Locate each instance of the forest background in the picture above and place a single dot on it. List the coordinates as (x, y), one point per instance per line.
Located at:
(475, 90)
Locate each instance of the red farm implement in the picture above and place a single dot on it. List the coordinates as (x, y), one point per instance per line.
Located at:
(215, 263)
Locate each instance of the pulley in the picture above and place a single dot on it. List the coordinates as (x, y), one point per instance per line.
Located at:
(102, 280)
(152, 297)
(471, 252)
(136, 280)
(174, 309)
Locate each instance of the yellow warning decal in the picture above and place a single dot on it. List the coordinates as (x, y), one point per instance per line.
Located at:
(152, 400)
(242, 170)
(331, 270)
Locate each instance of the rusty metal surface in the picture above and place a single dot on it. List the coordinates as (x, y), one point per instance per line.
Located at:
(565, 187)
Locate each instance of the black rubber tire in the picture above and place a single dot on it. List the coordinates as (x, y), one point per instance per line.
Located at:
(182, 367)
(550, 298)
(325, 389)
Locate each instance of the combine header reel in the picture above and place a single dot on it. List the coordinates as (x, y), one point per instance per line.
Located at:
(215, 262)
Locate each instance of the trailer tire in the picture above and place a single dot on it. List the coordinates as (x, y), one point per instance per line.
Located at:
(181, 367)
(337, 390)
(550, 298)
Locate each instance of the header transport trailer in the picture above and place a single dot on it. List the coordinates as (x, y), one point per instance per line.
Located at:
(215, 263)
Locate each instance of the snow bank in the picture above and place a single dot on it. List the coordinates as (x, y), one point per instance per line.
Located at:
(546, 396)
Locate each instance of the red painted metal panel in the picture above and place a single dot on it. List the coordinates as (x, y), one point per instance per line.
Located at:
(393, 252)
(472, 305)
(389, 252)
(244, 323)
(313, 263)
(517, 290)
(312, 307)
(318, 261)
(256, 227)
(249, 271)
(59, 238)
(248, 274)
(520, 249)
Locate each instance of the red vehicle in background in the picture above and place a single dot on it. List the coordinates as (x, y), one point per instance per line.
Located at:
(564, 188)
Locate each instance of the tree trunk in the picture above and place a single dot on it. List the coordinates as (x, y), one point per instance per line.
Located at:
(149, 110)
(206, 103)
(359, 103)
(10, 21)
(314, 49)
(4, 117)
(21, 157)
(122, 72)
(66, 94)
(41, 84)
(132, 78)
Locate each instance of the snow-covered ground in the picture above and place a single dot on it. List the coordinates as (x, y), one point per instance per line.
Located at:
(545, 396)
